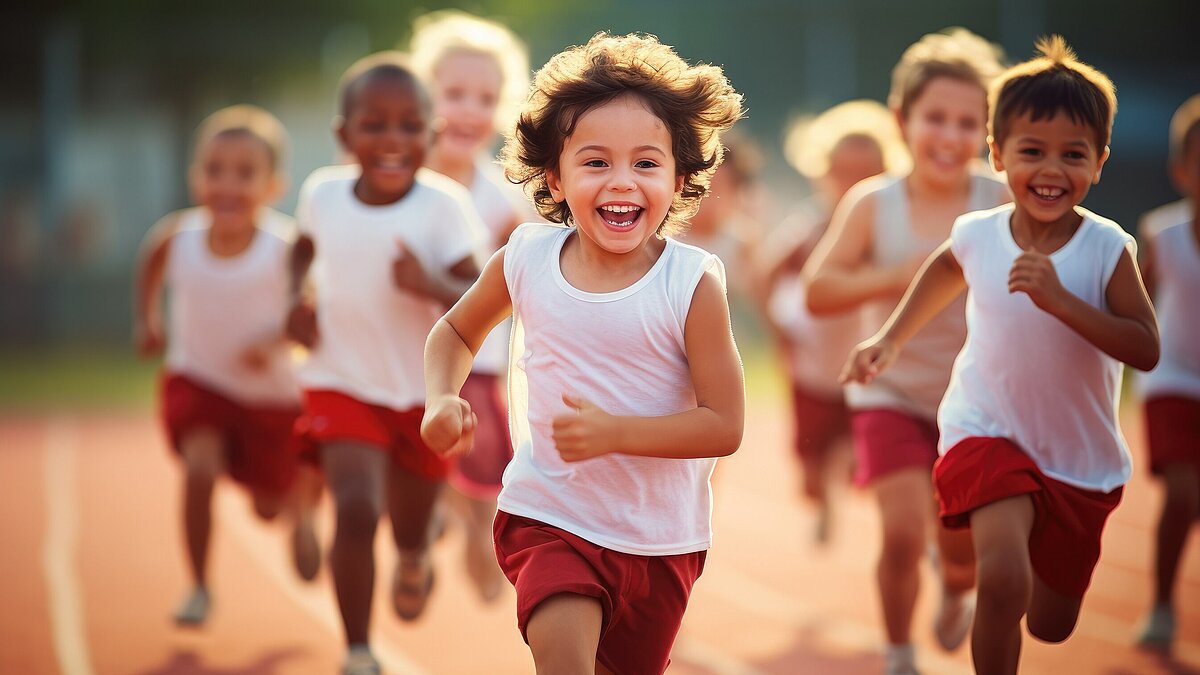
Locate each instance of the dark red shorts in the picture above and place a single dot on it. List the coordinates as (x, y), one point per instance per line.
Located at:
(1173, 431)
(886, 441)
(643, 597)
(334, 416)
(819, 421)
(259, 448)
(479, 474)
(1064, 545)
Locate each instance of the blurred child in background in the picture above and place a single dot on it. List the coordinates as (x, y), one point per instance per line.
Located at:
(228, 395)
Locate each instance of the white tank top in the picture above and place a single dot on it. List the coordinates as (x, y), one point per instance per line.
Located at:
(1023, 374)
(220, 307)
(1177, 298)
(917, 380)
(624, 351)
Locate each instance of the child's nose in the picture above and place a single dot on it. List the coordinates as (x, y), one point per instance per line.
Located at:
(621, 180)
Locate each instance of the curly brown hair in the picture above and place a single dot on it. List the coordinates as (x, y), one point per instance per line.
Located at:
(696, 103)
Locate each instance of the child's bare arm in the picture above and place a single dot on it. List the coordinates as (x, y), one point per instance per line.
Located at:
(838, 274)
(938, 283)
(302, 318)
(448, 425)
(148, 286)
(1146, 258)
(409, 274)
(712, 429)
(1127, 332)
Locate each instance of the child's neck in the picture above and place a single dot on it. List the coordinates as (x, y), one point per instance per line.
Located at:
(1044, 237)
(592, 269)
(372, 197)
(922, 188)
(228, 241)
(461, 169)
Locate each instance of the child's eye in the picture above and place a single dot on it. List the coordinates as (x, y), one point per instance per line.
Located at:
(596, 163)
(1032, 152)
(1074, 154)
(372, 125)
(645, 164)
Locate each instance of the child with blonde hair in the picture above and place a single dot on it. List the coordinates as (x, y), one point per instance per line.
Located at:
(881, 232)
(625, 384)
(228, 394)
(1032, 456)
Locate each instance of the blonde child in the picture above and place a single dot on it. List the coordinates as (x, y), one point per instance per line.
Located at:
(846, 144)
(882, 230)
(1033, 459)
(228, 395)
(390, 247)
(477, 71)
(1171, 267)
(626, 383)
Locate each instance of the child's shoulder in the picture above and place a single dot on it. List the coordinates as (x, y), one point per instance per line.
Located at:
(441, 187)
(534, 232)
(867, 190)
(278, 225)
(1162, 217)
(1103, 228)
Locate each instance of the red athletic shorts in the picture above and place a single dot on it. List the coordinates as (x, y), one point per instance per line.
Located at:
(479, 473)
(259, 448)
(334, 416)
(1173, 431)
(886, 441)
(1064, 545)
(820, 420)
(643, 597)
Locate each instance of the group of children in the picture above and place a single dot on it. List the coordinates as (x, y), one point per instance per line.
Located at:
(416, 291)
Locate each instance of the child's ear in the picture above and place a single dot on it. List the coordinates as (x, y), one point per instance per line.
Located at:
(279, 185)
(994, 154)
(193, 182)
(1100, 165)
(339, 131)
(679, 184)
(554, 183)
(901, 124)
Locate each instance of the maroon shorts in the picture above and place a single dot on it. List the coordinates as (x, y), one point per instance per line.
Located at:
(886, 441)
(1064, 545)
(643, 597)
(819, 421)
(1173, 431)
(334, 416)
(479, 473)
(259, 448)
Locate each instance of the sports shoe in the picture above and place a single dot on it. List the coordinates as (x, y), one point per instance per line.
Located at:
(360, 661)
(900, 660)
(1159, 629)
(953, 620)
(194, 610)
(411, 584)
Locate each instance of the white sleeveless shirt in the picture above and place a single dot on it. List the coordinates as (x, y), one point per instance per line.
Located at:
(623, 351)
(220, 307)
(917, 380)
(1177, 297)
(1023, 374)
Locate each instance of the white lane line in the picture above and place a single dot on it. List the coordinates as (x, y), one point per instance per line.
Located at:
(59, 549)
(236, 518)
(696, 652)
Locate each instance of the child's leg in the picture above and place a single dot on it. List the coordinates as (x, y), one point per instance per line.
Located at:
(564, 634)
(203, 451)
(411, 503)
(1000, 532)
(302, 506)
(1181, 505)
(354, 472)
(903, 497)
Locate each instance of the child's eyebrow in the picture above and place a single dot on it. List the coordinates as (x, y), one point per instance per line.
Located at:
(601, 148)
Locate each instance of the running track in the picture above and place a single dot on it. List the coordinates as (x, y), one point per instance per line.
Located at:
(91, 567)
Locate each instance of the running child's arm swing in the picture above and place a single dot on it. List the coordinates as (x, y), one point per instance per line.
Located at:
(148, 287)
(409, 274)
(302, 318)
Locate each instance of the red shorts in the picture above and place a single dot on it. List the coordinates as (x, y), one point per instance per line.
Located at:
(820, 420)
(259, 448)
(1173, 431)
(1064, 545)
(479, 474)
(334, 416)
(886, 441)
(643, 597)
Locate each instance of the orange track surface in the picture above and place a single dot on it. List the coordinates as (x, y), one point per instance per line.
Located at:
(769, 601)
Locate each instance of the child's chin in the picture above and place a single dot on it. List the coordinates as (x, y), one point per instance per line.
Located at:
(389, 182)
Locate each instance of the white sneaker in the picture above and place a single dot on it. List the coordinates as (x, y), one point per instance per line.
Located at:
(194, 609)
(1159, 630)
(953, 620)
(900, 660)
(360, 661)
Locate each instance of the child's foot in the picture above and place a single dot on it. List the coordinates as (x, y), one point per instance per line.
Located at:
(360, 661)
(1159, 631)
(953, 620)
(306, 551)
(482, 567)
(900, 660)
(411, 584)
(194, 609)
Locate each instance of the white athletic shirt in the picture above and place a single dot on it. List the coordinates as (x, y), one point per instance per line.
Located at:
(221, 307)
(1177, 298)
(1023, 374)
(1164, 216)
(371, 334)
(623, 351)
(917, 380)
(497, 205)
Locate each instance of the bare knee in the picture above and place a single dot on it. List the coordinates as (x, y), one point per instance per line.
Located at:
(203, 457)
(1005, 582)
(903, 544)
(1052, 615)
(357, 512)
(564, 633)
(267, 506)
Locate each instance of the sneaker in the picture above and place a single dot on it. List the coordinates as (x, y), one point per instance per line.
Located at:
(194, 610)
(360, 661)
(306, 551)
(900, 660)
(1159, 630)
(411, 584)
(953, 620)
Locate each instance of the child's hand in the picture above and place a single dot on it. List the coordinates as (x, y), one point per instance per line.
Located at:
(407, 272)
(148, 340)
(583, 433)
(448, 427)
(254, 359)
(302, 324)
(1033, 273)
(868, 359)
